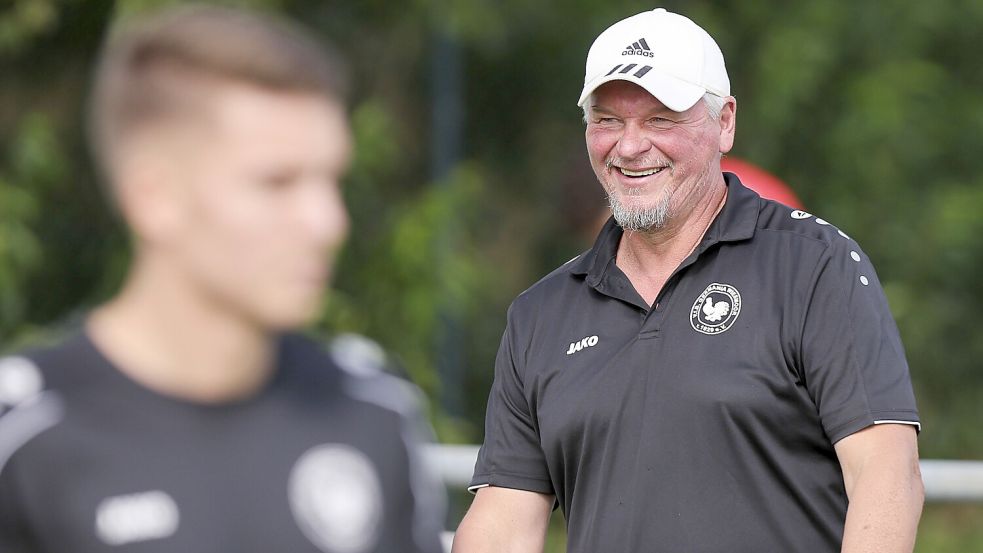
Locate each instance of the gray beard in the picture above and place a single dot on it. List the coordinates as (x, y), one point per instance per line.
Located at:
(641, 219)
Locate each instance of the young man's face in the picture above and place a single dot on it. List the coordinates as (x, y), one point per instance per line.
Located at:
(254, 216)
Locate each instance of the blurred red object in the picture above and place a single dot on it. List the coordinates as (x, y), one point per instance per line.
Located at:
(764, 183)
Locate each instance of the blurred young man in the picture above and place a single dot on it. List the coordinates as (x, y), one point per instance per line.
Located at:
(719, 373)
(186, 416)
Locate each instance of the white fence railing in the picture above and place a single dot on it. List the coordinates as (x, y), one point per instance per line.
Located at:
(944, 480)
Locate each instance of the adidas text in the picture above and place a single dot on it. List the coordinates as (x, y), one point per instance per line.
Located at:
(585, 343)
(638, 48)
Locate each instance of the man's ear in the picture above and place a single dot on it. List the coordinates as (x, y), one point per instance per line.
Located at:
(148, 191)
(728, 124)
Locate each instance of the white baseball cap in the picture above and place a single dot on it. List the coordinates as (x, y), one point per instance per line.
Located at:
(664, 53)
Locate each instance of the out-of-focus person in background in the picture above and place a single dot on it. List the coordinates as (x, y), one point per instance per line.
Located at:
(188, 415)
(719, 373)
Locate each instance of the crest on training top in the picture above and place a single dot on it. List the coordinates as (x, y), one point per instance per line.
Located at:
(716, 309)
(336, 498)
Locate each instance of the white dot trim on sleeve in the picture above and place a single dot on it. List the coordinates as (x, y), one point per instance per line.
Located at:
(855, 256)
(27, 420)
(864, 280)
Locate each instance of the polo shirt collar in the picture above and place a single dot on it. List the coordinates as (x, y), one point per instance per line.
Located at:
(736, 221)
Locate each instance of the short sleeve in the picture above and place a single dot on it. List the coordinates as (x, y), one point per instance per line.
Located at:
(511, 455)
(425, 491)
(853, 362)
(415, 488)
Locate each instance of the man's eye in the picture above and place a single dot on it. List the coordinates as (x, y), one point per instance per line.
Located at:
(278, 181)
(661, 123)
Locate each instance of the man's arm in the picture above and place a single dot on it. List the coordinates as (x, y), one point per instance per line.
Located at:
(503, 520)
(884, 486)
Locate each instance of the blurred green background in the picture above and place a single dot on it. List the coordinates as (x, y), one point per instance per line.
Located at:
(471, 180)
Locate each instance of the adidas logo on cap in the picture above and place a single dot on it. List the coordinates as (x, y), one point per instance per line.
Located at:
(690, 63)
(638, 48)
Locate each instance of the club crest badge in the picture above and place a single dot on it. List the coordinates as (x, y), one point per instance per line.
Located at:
(336, 498)
(716, 309)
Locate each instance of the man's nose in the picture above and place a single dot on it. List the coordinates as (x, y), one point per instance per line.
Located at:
(633, 141)
(324, 216)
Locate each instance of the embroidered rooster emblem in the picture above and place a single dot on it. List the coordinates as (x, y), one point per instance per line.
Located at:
(716, 309)
(713, 312)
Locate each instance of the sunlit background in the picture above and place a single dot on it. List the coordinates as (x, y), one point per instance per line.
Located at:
(471, 180)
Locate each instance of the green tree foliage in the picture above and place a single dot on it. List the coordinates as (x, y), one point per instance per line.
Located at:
(871, 111)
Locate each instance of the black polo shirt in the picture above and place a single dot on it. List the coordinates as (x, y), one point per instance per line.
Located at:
(324, 459)
(707, 422)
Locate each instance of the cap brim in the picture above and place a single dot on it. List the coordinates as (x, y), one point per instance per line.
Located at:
(676, 94)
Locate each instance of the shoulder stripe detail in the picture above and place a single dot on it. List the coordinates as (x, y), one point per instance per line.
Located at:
(402, 398)
(429, 501)
(357, 355)
(26, 421)
(386, 391)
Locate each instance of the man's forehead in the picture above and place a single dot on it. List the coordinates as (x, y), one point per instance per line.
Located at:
(233, 116)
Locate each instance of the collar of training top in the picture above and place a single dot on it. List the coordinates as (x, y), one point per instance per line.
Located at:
(736, 222)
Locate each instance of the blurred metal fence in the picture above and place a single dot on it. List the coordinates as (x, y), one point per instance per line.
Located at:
(944, 480)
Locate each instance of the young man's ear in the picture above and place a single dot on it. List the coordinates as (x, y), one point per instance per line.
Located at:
(149, 191)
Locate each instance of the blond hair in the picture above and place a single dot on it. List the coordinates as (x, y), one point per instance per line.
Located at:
(156, 68)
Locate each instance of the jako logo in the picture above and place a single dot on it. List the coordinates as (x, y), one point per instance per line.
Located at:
(585, 343)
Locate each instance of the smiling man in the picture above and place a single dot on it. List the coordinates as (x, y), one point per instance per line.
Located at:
(188, 414)
(719, 373)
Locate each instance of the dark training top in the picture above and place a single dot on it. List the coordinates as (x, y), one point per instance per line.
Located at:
(706, 423)
(325, 459)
